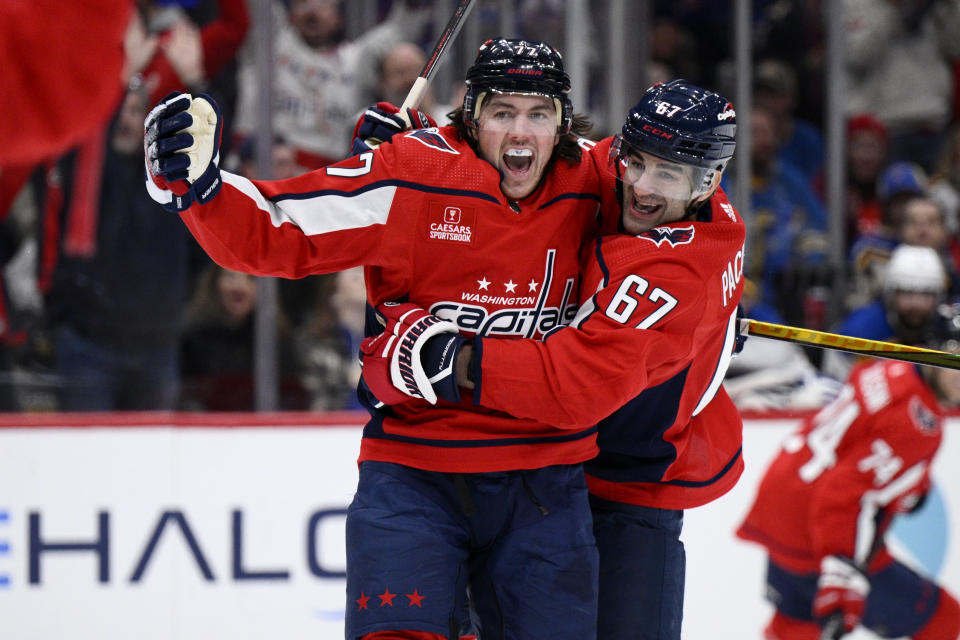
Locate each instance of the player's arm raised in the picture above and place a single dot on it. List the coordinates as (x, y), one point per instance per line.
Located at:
(325, 220)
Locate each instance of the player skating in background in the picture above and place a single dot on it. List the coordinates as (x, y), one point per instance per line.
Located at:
(827, 499)
(484, 218)
(644, 357)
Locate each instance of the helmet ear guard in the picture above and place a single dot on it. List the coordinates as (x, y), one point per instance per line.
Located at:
(512, 66)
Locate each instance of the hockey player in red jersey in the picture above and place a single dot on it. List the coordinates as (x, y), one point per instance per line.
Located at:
(643, 359)
(827, 499)
(485, 219)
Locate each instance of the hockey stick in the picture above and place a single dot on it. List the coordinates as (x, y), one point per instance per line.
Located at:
(415, 95)
(833, 630)
(412, 101)
(859, 346)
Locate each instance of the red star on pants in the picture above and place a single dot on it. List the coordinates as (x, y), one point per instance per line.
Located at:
(386, 598)
(415, 599)
(362, 602)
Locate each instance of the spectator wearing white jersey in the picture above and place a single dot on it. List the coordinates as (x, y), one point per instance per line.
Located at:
(321, 81)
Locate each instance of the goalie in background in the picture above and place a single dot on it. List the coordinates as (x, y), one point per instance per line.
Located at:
(827, 500)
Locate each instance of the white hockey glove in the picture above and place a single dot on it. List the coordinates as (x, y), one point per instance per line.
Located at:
(414, 357)
(181, 144)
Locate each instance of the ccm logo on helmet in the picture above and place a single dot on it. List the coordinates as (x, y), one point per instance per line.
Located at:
(727, 113)
(660, 133)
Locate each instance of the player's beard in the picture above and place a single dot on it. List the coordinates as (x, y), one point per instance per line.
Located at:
(649, 210)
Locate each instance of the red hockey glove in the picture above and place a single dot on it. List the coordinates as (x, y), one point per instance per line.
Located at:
(414, 357)
(181, 144)
(380, 122)
(841, 591)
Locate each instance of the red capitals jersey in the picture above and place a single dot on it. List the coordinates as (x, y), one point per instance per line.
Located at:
(645, 358)
(427, 218)
(838, 481)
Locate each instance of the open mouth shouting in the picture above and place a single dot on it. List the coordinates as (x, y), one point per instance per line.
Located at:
(519, 167)
(643, 213)
(517, 134)
(518, 162)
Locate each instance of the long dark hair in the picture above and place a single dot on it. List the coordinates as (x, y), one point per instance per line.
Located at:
(567, 148)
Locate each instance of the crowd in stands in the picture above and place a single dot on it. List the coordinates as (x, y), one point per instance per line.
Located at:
(109, 304)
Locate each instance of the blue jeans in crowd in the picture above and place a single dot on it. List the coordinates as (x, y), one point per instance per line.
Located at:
(112, 374)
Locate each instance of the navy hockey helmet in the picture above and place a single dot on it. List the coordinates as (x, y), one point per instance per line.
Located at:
(683, 123)
(507, 65)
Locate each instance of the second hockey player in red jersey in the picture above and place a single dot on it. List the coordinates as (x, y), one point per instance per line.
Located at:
(644, 358)
(485, 220)
(826, 500)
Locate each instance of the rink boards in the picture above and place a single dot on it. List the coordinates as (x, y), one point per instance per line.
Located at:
(190, 526)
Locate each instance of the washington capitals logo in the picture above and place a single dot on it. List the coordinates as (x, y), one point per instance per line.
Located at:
(922, 417)
(672, 235)
(432, 139)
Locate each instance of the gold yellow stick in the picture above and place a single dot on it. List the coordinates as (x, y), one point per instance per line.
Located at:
(875, 348)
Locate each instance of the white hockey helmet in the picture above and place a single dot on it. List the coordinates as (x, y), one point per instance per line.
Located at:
(913, 268)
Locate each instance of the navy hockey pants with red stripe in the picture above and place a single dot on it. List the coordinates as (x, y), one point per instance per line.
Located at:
(900, 604)
(521, 540)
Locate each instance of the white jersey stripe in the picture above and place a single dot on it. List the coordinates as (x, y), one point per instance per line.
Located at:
(322, 213)
(872, 501)
(586, 308)
(722, 365)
